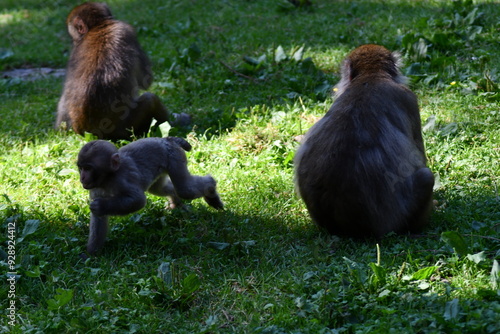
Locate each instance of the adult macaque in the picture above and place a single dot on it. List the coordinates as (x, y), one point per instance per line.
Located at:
(361, 169)
(118, 178)
(105, 72)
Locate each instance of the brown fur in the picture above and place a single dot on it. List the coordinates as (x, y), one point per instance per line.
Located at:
(105, 72)
(361, 169)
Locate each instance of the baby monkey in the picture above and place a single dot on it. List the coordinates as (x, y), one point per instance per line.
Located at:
(118, 178)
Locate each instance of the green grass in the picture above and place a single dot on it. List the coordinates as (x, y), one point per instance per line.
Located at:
(260, 266)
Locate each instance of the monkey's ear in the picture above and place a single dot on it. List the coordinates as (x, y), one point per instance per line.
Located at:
(349, 68)
(115, 162)
(346, 71)
(80, 26)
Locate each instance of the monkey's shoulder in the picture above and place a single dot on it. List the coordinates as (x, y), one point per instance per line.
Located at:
(156, 144)
(144, 146)
(126, 181)
(145, 154)
(382, 86)
(108, 53)
(112, 30)
(367, 101)
(116, 40)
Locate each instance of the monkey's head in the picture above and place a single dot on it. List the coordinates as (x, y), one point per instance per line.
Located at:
(97, 161)
(86, 16)
(370, 61)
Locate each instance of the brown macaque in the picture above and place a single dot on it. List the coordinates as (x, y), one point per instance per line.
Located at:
(118, 178)
(105, 72)
(361, 169)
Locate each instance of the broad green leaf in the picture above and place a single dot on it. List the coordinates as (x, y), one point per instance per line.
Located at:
(449, 129)
(495, 275)
(297, 54)
(218, 245)
(62, 298)
(473, 31)
(211, 321)
(66, 171)
(75, 208)
(424, 273)
(5, 53)
(164, 128)
(165, 273)
(250, 60)
(190, 284)
(30, 227)
(420, 49)
(451, 309)
(478, 257)
(165, 84)
(455, 240)
(89, 136)
(430, 124)
(423, 285)
(380, 273)
(430, 78)
(247, 243)
(384, 293)
(308, 275)
(33, 273)
(280, 54)
(262, 59)
(356, 270)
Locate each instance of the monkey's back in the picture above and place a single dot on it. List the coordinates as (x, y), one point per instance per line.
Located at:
(100, 81)
(354, 170)
(153, 156)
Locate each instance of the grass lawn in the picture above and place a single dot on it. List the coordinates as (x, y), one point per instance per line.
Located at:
(254, 75)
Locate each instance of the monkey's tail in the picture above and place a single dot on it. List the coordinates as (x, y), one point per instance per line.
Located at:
(181, 142)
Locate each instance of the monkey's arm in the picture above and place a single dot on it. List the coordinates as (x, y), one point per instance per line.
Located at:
(142, 68)
(122, 203)
(144, 76)
(98, 230)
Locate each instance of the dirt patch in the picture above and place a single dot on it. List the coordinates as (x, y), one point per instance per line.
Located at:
(30, 74)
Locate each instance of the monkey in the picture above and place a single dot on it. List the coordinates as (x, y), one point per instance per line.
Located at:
(361, 169)
(117, 179)
(106, 69)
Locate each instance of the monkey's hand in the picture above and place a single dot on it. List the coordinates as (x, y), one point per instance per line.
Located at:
(97, 206)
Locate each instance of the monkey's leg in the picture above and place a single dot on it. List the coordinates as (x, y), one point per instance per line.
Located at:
(156, 108)
(149, 106)
(62, 115)
(189, 186)
(98, 230)
(164, 187)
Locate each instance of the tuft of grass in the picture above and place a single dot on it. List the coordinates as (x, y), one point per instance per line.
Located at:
(254, 75)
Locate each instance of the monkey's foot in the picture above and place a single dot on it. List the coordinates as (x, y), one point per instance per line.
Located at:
(214, 201)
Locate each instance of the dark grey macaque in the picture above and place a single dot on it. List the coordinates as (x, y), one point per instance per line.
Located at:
(118, 178)
(106, 70)
(361, 170)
